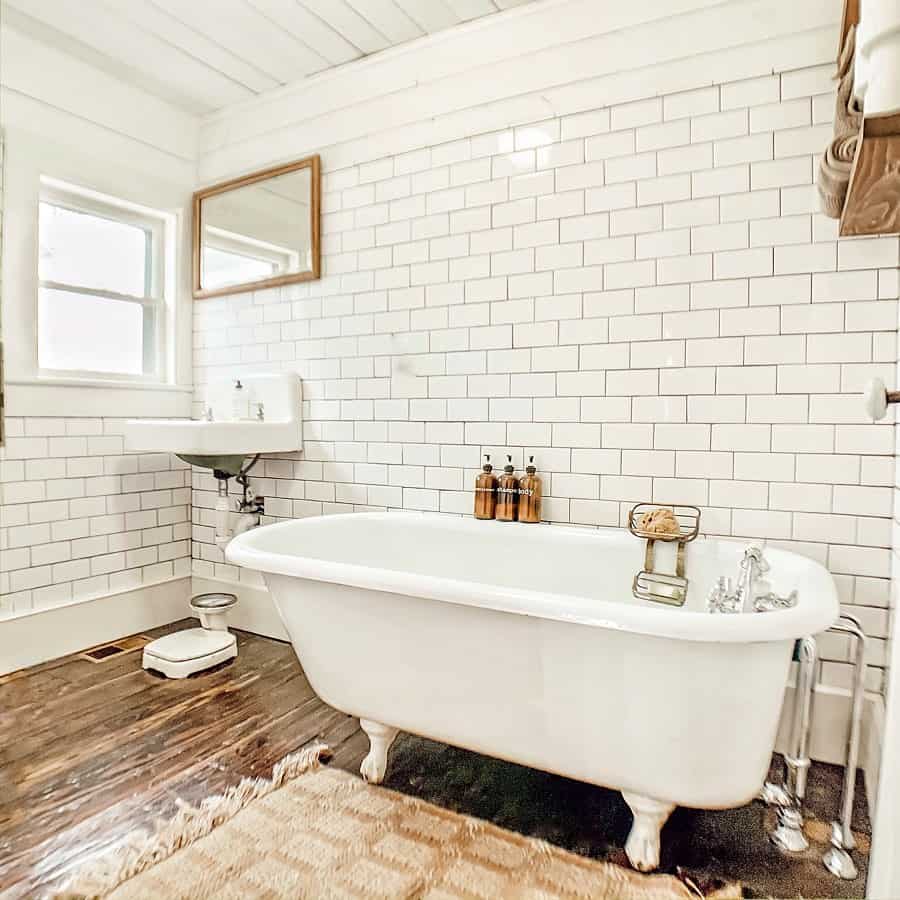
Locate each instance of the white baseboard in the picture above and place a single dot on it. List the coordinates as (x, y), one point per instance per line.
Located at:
(50, 633)
(830, 727)
(871, 750)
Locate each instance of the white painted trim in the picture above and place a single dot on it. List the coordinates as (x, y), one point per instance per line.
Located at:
(884, 861)
(527, 29)
(56, 397)
(871, 750)
(387, 137)
(408, 99)
(42, 635)
(103, 168)
(63, 82)
(25, 113)
(157, 294)
(830, 727)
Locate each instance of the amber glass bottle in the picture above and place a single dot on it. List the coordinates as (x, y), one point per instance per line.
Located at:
(530, 494)
(486, 491)
(508, 494)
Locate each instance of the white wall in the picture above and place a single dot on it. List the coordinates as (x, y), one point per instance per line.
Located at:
(624, 274)
(64, 119)
(593, 237)
(549, 59)
(79, 518)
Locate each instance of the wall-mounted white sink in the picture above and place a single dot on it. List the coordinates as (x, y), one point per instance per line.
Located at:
(198, 438)
(273, 425)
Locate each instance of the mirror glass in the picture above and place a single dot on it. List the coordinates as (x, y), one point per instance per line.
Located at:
(258, 231)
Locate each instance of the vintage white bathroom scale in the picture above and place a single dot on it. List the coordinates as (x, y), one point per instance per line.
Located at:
(183, 653)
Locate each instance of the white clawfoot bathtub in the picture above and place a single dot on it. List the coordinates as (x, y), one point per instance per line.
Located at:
(525, 643)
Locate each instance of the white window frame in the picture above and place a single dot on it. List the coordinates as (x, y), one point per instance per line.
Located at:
(157, 302)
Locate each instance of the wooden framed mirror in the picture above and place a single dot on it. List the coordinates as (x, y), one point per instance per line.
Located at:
(258, 231)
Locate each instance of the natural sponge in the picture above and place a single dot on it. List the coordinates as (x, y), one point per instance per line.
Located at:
(659, 521)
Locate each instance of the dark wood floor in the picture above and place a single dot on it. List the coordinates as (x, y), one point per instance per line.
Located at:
(90, 751)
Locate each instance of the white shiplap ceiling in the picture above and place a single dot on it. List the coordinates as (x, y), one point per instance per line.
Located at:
(203, 55)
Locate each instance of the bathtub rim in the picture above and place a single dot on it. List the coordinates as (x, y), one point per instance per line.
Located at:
(808, 617)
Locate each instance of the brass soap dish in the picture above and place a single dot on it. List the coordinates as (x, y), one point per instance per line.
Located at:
(662, 587)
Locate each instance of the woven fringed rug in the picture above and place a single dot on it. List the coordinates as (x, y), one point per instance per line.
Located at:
(315, 832)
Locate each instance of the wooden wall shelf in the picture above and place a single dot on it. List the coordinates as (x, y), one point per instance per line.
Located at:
(873, 196)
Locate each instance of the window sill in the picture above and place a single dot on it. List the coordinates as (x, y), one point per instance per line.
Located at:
(37, 396)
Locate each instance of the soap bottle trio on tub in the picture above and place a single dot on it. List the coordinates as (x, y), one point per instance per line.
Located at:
(508, 498)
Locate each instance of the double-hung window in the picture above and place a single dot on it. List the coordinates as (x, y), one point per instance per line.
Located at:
(102, 310)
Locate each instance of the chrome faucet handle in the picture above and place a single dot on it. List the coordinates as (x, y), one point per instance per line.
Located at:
(771, 601)
(260, 412)
(722, 598)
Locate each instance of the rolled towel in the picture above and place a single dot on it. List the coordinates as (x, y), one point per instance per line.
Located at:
(837, 160)
(845, 60)
(847, 112)
(834, 178)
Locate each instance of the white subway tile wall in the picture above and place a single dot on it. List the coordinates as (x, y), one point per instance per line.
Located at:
(80, 518)
(644, 297)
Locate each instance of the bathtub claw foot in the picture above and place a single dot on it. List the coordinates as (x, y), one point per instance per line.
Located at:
(788, 834)
(381, 737)
(642, 846)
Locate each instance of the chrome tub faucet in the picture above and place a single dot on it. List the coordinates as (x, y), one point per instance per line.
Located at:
(748, 596)
(753, 566)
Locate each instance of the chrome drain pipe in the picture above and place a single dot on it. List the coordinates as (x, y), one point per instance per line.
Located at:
(837, 858)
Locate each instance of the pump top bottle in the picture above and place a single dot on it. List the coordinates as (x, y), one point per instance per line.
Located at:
(508, 494)
(486, 491)
(240, 403)
(530, 490)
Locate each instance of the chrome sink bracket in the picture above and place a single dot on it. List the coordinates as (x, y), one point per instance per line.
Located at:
(837, 858)
(788, 834)
(663, 587)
